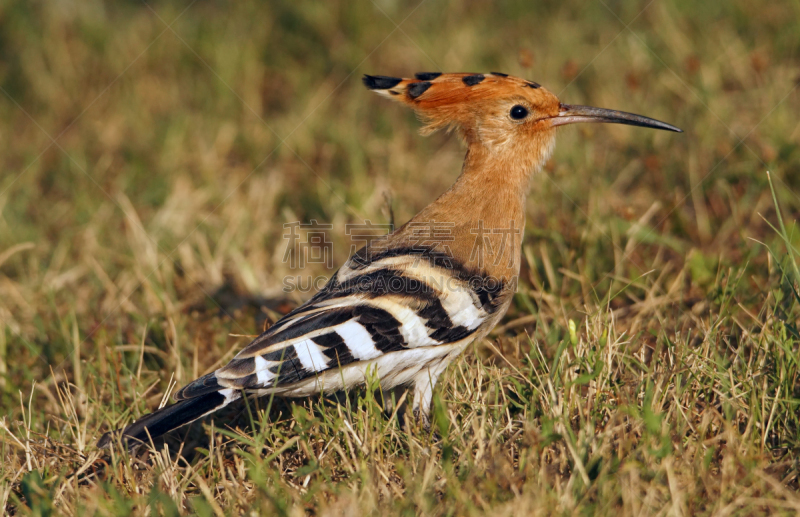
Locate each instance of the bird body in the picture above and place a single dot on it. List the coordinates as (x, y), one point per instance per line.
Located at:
(409, 302)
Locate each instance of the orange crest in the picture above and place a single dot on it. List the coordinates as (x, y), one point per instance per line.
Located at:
(464, 101)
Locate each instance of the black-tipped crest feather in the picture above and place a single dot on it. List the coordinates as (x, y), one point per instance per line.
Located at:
(417, 89)
(380, 82)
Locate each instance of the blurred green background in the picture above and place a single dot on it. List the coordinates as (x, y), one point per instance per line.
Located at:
(150, 154)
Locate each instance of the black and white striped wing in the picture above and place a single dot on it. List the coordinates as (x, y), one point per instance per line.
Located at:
(392, 304)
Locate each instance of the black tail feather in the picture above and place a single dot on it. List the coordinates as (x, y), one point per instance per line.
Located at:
(206, 384)
(166, 419)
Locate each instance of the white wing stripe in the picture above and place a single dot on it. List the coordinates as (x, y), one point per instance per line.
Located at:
(358, 340)
(310, 356)
(461, 310)
(262, 371)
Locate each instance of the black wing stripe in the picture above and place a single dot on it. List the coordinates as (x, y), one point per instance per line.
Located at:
(383, 327)
(367, 256)
(339, 355)
(444, 331)
(328, 340)
(300, 328)
(450, 335)
(383, 282)
(487, 289)
(489, 293)
(285, 374)
(436, 315)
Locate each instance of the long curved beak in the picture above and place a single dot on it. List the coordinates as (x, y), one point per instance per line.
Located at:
(573, 113)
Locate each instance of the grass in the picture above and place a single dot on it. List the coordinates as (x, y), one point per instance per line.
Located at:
(649, 364)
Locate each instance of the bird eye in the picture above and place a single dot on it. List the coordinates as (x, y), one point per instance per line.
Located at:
(519, 112)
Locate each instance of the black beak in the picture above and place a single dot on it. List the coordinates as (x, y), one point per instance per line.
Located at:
(572, 113)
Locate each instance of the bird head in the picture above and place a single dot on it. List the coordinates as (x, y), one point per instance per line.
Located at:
(503, 114)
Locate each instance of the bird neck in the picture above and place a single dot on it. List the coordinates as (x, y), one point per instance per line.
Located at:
(491, 192)
(480, 219)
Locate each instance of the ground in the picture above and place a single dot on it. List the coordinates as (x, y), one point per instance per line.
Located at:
(152, 154)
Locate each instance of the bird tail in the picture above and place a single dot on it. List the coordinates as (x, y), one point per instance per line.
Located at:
(171, 417)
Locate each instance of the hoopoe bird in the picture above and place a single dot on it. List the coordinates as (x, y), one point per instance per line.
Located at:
(408, 303)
